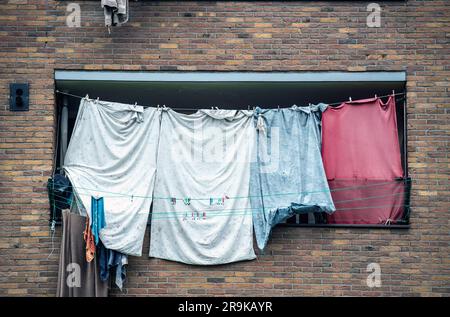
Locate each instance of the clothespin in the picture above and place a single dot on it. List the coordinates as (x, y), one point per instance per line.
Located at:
(376, 96)
(173, 200)
(87, 97)
(187, 201)
(53, 226)
(211, 201)
(393, 92)
(387, 222)
(350, 99)
(260, 126)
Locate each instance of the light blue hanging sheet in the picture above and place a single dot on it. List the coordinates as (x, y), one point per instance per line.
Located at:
(287, 176)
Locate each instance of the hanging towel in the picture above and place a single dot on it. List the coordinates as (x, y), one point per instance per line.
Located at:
(98, 217)
(203, 162)
(76, 277)
(89, 240)
(288, 176)
(112, 154)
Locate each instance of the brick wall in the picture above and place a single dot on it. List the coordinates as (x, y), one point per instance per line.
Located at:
(227, 36)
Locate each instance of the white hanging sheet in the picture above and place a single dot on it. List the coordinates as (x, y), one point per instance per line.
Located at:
(112, 154)
(204, 157)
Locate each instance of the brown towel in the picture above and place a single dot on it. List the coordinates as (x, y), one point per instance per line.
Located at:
(76, 277)
(88, 238)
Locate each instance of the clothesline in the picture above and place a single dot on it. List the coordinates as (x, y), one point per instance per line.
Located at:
(62, 199)
(172, 215)
(249, 211)
(195, 109)
(115, 194)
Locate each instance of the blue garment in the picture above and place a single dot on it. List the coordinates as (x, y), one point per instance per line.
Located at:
(98, 217)
(287, 176)
(109, 261)
(60, 192)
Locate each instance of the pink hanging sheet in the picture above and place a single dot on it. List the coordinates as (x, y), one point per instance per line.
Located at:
(361, 156)
(367, 201)
(360, 141)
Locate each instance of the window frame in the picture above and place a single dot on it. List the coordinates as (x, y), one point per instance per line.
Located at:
(259, 77)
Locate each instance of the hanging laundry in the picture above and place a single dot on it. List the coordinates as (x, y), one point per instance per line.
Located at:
(287, 177)
(116, 12)
(72, 259)
(112, 154)
(89, 241)
(360, 140)
(203, 155)
(112, 262)
(362, 160)
(98, 217)
(368, 201)
(59, 192)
